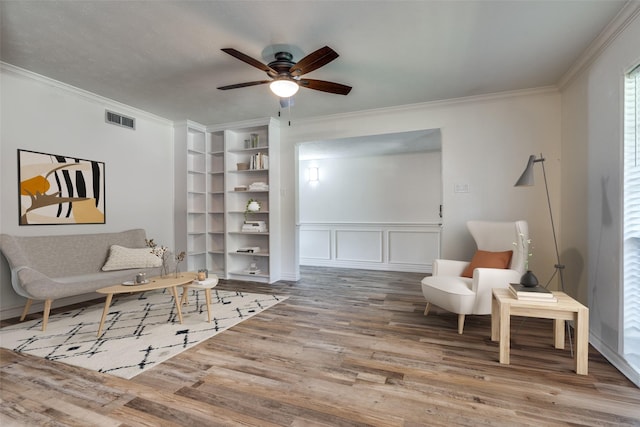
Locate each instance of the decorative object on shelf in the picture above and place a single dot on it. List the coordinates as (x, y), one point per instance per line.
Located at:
(179, 258)
(248, 250)
(252, 206)
(47, 184)
(204, 273)
(253, 269)
(258, 186)
(164, 254)
(529, 279)
(242, 166)
(254, 227)
(254, 140)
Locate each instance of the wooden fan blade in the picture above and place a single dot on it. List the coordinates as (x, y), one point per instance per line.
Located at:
(237, 85)
(324, 86)
(313, 61)
(249, 60)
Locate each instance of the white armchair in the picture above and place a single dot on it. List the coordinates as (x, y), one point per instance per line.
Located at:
(448, 289)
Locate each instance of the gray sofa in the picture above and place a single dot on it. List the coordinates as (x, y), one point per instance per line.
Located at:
(52, 267)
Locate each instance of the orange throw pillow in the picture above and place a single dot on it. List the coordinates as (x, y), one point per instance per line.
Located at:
(485, 259)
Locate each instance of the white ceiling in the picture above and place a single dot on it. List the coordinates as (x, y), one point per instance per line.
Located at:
(164, 56)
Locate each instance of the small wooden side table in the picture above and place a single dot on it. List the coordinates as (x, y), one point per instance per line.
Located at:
(504, 305)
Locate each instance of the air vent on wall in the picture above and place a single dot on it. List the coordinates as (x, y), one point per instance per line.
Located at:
(119, 119)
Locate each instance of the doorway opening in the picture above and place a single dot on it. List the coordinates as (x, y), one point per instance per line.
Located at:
(371, 202)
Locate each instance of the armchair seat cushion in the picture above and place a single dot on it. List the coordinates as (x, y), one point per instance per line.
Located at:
(450, 293)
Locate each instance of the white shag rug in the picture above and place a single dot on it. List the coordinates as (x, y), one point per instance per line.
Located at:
(140, 331)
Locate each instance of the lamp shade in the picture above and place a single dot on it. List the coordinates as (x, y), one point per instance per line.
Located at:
(284, 88)
(526, 178)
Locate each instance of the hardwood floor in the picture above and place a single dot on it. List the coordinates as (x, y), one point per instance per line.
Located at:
(347, 348)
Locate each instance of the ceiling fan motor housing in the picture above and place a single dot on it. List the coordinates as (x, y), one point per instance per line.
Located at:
(282, 63)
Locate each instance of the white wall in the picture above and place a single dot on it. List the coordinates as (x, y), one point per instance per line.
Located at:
(42, 115)
(485, 144)
(403, 187)
(592, 178)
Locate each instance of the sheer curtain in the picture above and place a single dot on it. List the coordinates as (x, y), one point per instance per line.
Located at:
(631, 237)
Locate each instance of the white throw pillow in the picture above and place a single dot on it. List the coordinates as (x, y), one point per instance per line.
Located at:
(121, 258)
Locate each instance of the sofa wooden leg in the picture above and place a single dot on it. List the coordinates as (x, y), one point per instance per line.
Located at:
(45, 314)
(426, 309)
(27, 306)
(460, 323)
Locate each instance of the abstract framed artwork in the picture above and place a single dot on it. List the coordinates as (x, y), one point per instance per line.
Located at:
(55, 189)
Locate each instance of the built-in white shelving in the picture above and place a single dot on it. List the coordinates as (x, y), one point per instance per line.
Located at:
(222, 165)
(190, 193)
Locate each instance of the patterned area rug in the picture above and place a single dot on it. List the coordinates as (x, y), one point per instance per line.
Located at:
(141, 330)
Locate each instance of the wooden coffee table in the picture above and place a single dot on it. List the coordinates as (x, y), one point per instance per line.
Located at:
(504, 305)
(171, 282)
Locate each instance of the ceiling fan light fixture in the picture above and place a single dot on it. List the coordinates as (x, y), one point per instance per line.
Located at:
(284, 88)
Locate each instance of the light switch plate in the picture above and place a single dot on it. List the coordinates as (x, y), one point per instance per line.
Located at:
(461, 188)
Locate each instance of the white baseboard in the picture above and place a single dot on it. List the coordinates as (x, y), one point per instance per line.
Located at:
(290, 277)
(408, 268)
(615, 359)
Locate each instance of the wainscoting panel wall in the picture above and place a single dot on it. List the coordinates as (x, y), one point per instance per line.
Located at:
(373, 246)
(358, 245)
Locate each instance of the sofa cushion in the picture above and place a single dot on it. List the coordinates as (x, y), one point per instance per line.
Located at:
(45, 288)
(121, 258)
(486, 259)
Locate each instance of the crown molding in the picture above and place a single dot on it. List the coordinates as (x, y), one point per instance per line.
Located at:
(262, 121)
(433, 104)
(189, 124)
(626, 16)
(83, 94)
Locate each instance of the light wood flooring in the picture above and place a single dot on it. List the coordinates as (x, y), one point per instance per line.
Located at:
(347, 348)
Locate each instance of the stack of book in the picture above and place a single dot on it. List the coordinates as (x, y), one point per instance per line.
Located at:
(259, 161)
(259, 186)
(254, 227)
(249, 250)
(535, 293)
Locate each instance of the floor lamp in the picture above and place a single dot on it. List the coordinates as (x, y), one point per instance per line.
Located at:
(526, 179)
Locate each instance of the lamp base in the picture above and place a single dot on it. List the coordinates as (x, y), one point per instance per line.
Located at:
(529, 279)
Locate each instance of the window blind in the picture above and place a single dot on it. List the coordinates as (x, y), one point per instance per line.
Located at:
(631, 221)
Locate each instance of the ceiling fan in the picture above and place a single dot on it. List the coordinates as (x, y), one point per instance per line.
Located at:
(286, 75)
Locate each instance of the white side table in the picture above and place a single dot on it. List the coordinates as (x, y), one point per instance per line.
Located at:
(200, 285)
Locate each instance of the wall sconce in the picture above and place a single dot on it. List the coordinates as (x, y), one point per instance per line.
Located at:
(313, 174)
